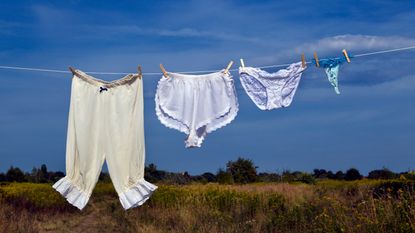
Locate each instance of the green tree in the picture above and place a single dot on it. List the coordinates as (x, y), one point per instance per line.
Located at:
(15, 174)
(43, 174)
(382, 174)
(339, 175)
(209, 177)
(242, 170)
(353, 174)
(152, 174)
(39, 175)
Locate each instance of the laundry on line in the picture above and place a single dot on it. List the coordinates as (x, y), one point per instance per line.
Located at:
(271, 90)
(105, 126)
(196, 104)
(191, 72)
(106, 118)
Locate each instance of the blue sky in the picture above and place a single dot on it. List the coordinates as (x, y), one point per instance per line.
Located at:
(370, 125)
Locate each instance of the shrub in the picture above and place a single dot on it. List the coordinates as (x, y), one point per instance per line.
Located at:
(306, 178)
(329, 206)
(209, 177)
(393, 187)
(268, 177)
(33, 196)
(382, 174)
(353, 174)
(224, 177)
(339, 175)
(408, 175)
(298, 176)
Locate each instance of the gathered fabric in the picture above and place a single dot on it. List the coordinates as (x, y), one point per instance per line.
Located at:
(106, 122)
(331, 67)
(332, 75)
(271, 90)
(196, 104)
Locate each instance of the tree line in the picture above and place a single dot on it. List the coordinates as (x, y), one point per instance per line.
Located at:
(37, 175)
(241, 171)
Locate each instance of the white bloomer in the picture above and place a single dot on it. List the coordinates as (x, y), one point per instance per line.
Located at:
(196, 104)
(106, 122)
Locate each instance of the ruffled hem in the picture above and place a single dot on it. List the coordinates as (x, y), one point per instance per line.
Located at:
(137, 195)
(223, 119)
(228, 116)
(73, 194)
(195, 141)
(227, 119)
(166, 118)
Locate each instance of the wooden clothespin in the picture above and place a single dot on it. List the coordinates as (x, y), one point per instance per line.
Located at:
(228, 67)
(140, 73)
(303, 64)
(242, 62)
(316, 58)
(346, 55)
(72, 70)
(163, 70)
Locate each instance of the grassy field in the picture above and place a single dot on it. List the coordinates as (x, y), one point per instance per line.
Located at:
(328, 206)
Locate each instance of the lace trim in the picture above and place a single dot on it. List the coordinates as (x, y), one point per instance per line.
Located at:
(71, 192)
(220, 120)
(280, 74)
(257, 92)
(128, 79)
(257, 83)
(167, 119)
(229, 117)
(137, 195)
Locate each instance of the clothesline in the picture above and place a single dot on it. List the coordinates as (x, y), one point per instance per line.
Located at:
(190, 72)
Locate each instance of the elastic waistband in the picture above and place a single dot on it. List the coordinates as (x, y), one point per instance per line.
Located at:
(198, 76)
(128, 79)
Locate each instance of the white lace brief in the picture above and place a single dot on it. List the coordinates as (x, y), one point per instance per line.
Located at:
(271, 90)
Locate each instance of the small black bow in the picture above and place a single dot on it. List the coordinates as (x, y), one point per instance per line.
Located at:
(101, 89)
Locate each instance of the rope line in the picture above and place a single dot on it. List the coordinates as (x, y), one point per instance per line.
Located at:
(189, 72)
(384, 51)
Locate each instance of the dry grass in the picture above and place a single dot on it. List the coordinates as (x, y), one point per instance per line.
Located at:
(363, 206)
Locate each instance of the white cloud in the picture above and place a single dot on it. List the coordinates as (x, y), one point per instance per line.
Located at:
(355, 43)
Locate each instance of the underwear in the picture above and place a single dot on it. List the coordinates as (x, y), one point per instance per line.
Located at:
(271, 90)
(332, 66)
(196, 104)
(332, 74)
(105, 123)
